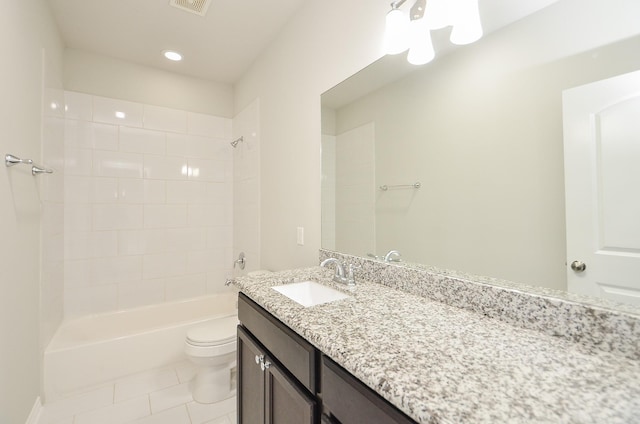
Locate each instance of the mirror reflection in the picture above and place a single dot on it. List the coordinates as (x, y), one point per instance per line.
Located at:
(481, 131)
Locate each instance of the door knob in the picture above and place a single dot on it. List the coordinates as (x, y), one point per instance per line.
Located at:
(578, 266)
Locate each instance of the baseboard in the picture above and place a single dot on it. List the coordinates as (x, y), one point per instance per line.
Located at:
(34, 416)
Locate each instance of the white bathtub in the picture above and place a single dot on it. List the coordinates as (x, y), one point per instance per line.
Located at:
(97, 349)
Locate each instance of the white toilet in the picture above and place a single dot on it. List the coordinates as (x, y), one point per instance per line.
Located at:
(212, 348)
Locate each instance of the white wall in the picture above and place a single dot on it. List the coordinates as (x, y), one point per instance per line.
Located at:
(148, 204)
(355, 193)
(325, 43)
(25, 28)
(104, 76)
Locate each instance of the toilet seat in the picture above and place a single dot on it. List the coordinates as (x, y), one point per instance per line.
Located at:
(218, 333)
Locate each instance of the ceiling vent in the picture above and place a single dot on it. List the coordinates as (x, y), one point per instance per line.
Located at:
(199, 7)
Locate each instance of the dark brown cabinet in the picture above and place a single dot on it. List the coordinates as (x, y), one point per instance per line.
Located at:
(283, 379)
(346, 400)
(268, 392)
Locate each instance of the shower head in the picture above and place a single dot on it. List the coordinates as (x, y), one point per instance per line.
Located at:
(235, 142)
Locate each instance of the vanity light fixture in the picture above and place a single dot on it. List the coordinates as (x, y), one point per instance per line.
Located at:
(396, 35)
(172, 55)
(413, 31)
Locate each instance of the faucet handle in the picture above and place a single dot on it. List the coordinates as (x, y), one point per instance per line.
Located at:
(350, 277)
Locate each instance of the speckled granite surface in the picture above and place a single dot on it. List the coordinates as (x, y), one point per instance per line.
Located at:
(442, 364)
(605, 325)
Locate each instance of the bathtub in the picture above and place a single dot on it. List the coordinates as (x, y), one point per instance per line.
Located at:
(93, 350)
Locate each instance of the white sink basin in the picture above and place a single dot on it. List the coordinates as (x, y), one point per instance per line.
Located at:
(310, 293)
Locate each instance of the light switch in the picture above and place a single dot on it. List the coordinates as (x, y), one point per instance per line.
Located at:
(300, 236)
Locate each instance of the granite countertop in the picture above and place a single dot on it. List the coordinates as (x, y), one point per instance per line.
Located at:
(441, 364)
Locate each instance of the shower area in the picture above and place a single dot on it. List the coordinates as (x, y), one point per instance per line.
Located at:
(142, 220)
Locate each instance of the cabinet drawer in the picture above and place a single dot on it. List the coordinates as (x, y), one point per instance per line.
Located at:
(291, 350)
(351, 402)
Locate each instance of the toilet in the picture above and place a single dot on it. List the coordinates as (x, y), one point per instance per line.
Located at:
(212, 348)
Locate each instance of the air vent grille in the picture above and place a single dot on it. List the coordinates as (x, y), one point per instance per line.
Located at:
(199, 7)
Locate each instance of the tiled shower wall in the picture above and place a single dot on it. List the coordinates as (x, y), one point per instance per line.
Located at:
(148, 204)
(246, 191)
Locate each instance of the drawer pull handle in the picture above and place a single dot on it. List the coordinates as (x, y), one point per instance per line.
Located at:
(259, 359)
(265, 365)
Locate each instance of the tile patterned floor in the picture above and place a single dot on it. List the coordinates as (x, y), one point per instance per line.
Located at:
(159, 396)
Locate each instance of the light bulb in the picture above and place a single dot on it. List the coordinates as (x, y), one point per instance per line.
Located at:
(437, 14)
(467, 27)
(420, 46)
(396, 37)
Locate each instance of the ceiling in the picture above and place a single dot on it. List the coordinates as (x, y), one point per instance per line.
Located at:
(220, 46)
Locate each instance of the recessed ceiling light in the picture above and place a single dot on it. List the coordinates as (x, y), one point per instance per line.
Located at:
(171, 55)
(120, 115)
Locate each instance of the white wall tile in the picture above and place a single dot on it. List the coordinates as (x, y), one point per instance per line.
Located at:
(105, 190)
(78, 217)
(209, 215)
(155, 240)
(165, 119)
(78, 273)
(187, 239)
(131, 242)
(116, 269)
(164, 265)
(117, 217)
(165, 216)
(131, 190)
(90, 244)
(165, 168)
(139, 196)
(186, 286)
(209, 170)
(104, 110)
(77, 161)
(78, 106)
(209, 126)
(90, 300)
(78, 189)
(154, 191)
(138, 140)
(105, 136)
(118, 164)
(134, 293)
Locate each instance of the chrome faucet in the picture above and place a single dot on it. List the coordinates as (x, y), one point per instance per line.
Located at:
(339, 276)
(392, 256)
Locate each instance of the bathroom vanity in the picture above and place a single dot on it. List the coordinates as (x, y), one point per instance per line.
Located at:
(385, 355)
(284, 379)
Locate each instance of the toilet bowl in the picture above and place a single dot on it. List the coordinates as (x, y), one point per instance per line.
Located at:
(212, 348)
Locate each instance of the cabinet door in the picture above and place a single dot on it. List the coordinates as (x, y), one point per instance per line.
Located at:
(349, 401)
(251, 380)
(286, 401)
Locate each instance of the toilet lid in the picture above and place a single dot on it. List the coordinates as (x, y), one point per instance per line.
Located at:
(218, 332)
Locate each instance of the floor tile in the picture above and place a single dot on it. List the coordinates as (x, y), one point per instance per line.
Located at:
(201, 413)
(178, 415)
(170, 397)
(118, 413)
(148, 382)
(221, 420)
(233, 418)
(87, 401)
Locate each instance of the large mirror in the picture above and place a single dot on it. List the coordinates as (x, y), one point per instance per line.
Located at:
(481, 130)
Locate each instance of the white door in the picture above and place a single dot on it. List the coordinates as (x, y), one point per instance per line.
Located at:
(602, 183)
